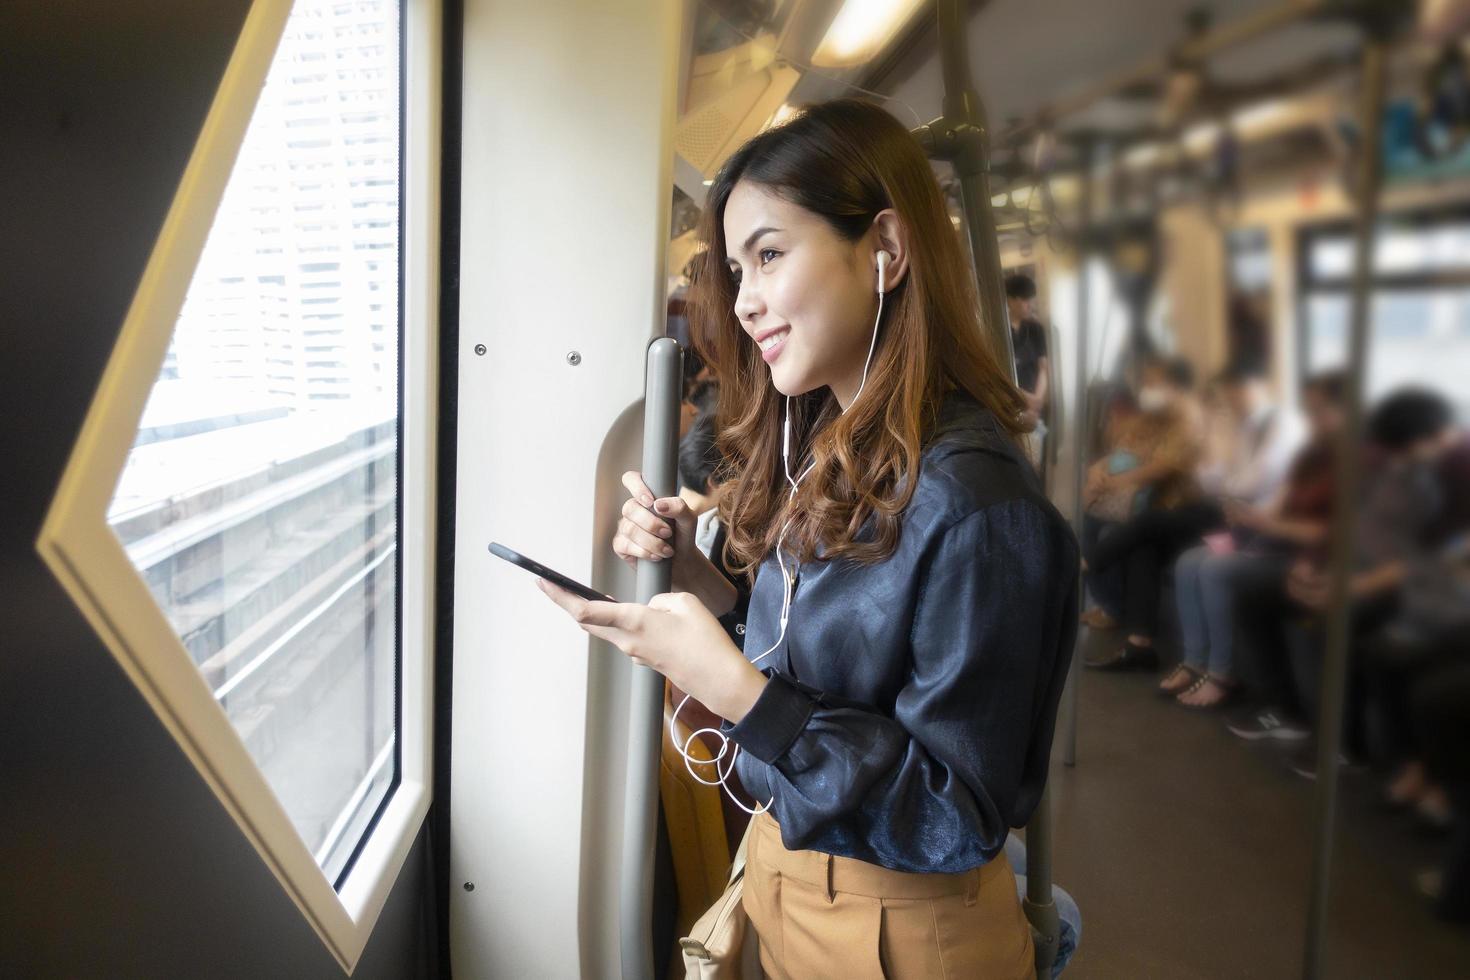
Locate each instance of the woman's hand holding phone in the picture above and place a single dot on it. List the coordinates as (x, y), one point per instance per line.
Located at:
(663, 530)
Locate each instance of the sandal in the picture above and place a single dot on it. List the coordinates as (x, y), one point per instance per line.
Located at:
(1225, 688)
(1130, 656)
(1180, 679)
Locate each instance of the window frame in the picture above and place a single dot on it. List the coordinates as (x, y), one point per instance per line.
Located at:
(1309, 283)
(88, 560)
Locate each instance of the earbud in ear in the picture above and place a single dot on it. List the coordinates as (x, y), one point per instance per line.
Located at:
(883, 259)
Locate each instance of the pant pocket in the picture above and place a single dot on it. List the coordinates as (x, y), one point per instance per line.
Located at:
(989, 938)
(909, 941)
(762, 899)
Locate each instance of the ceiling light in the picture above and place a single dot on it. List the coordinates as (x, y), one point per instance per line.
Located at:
(861, 29)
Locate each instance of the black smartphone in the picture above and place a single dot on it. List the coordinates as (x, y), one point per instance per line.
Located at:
(536, 568)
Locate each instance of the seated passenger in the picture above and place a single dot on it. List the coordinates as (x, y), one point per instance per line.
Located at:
(1259, 441)
(1156, 503)
(1425, 638)
(1261, 544)
(1441, 711)
(1101, 517)
(1416, 500)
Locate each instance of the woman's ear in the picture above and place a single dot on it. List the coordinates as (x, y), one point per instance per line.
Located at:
(890, 236)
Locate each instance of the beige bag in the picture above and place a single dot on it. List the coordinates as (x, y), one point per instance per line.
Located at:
(722, 945)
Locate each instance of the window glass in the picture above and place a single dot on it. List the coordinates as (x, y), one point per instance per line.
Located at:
(259, 499)
(1418, 336)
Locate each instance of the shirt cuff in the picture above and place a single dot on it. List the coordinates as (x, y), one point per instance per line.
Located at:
(773, 723)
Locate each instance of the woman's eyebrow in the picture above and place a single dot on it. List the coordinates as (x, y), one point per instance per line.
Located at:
(755, 236)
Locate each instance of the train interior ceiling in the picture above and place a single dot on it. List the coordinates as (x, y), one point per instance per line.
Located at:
(291, 342)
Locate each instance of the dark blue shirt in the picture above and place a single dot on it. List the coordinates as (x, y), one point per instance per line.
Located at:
(908, 717)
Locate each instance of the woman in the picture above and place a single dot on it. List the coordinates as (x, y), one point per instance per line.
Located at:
(1127, 562)
(908, 626)
(1262, 544)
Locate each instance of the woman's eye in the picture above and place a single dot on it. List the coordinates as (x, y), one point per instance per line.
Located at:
(767, 251)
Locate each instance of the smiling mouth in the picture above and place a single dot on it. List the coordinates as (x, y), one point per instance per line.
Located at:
(774, 339)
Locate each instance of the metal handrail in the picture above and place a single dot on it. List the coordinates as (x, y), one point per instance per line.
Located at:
(960, 136)
(661, 396)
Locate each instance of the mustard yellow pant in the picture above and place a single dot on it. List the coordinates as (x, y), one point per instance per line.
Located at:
(821, 916)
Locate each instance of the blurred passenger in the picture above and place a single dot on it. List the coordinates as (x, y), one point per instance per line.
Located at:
(1159, 489)
(1442, 714)
(699, 463)
(1257, 440)
(1416, 500)
(1263, 539)
(1427, 636)
(1101, 516)
(700, 390)
(1252, 457)
(1028, 343)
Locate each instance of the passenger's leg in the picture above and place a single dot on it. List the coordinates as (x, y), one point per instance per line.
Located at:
(1442, 714)
(1190, 605)
(1262, 610)
(1190, 602)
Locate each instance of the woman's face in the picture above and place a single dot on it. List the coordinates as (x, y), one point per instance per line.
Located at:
(804, 295)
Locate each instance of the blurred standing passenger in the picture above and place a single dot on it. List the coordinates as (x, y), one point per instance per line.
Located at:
(1033, 364)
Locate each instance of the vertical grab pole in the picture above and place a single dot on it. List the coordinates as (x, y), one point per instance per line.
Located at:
(964, 126)
(1344, 524)
(662, 386)
(1041, 910)
(1080, 430)
(961, 137)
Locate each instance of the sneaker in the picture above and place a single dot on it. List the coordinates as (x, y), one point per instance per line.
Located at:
(1254, 724)
(1303, 761)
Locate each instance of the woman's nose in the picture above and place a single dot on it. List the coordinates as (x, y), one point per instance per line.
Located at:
(747, 305)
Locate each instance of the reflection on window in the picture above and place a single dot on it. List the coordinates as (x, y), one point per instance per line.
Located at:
(1419, 319)
(259, 500)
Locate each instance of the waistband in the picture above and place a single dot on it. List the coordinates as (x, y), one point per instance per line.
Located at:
(844, 874)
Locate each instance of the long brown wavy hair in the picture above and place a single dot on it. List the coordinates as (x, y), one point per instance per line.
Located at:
(844, 161)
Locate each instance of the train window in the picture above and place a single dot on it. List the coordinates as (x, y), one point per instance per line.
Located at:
(1420, 313)
(229, 519)
(259, 501)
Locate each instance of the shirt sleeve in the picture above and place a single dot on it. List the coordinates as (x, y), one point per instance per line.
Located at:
(935, 787)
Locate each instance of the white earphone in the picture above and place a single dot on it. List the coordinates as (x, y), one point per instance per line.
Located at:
(723, 774)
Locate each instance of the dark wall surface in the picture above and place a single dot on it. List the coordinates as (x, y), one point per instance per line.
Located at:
(117, 859)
